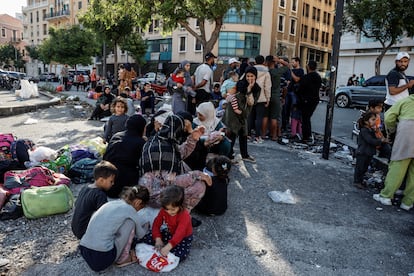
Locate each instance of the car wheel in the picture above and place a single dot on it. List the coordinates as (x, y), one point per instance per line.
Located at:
(343, 100)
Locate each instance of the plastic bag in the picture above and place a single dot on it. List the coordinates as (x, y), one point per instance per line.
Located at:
(152, 260)
(96, 146)
(42, 153)
(282, 197)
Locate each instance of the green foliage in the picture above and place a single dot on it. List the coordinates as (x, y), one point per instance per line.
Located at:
(69, 46)
(384, 21)
(135, 46)
(9, 55)
(33, 51)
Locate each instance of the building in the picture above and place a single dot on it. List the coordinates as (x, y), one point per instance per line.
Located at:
(358, 54)
(12, 32)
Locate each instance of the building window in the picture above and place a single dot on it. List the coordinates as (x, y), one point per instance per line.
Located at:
(282, 3)
(281, 23)
(292, 26)
(31, 17)
(316, 35)
(197, 45)
(327, 38)
(323, 37)
(164, 47)
(306, 10)
(313, 13)
(318, 15)
(312, 37)
(252, 16)
(240, 44)
(3, 32)
(44, 14)
(44, 29)
(325, 17)
(294, 5)
(197, 23)
(182, 47)
(37, 16)
(79, 5)
(304, 31)
(329, 19)
(315, 55)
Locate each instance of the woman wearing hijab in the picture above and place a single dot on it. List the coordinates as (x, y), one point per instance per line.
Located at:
(213, 140)
(124, 151)
(180, 94)
(161, 161)
(247, 91)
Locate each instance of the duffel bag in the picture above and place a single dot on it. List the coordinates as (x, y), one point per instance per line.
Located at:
(40, 202)
(16, 181)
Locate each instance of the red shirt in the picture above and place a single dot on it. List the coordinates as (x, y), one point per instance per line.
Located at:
(177, 79)
(179, 226)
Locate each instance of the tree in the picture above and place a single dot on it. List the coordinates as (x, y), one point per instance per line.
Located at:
(33, 51)
(69, 46)
(109, 19)
(135, 46)
(9, 55)
(173, 13)
(384, 21)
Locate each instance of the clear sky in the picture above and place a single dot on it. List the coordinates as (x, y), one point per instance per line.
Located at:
(12, 6)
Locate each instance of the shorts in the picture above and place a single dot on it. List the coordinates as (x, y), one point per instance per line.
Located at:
(274, 110)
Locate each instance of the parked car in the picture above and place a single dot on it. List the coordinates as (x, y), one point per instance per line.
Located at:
(373, 88)
(48, 77)
(150, 78)
(73, 73)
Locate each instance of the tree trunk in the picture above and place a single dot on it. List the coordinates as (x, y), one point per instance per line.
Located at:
(379, 58)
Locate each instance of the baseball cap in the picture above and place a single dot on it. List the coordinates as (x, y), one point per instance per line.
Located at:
(209, 55)
(401, 55)
(233, 60)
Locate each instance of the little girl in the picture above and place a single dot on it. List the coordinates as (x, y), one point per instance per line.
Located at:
(116, 122)
(178, 235)
(214, 201)
(367, 143)
(110, 231)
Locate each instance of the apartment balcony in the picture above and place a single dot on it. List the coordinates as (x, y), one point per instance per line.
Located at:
(42, 4)
(63, 14)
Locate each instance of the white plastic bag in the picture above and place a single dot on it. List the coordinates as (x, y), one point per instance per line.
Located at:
(152, 260)
(282, 197)
(42, 153)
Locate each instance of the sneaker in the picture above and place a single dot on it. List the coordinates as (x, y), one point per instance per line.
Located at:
(249, 159)
(258, 140)
(406, 207)
(382, 200)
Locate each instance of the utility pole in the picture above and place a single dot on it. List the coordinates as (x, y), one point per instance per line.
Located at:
(339, 13)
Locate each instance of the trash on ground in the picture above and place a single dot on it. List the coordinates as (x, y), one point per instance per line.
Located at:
(282, 197)
(378, 209)
(345, 154)
(27, 90)
(332, 145)
(31, 121)
(78, 107)
(4, 262)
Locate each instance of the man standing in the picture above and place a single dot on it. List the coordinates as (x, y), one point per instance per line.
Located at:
(64, 73)
(203, 80)
(396, 81)
(233, 67)
(296, 73)
(308, 95)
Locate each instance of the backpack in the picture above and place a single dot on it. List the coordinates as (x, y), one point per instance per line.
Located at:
(6, 141)
(16, 181)
(12, 209)
(19, 150)
(82, 171)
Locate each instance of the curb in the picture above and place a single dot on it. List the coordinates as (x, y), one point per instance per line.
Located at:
(15, 110)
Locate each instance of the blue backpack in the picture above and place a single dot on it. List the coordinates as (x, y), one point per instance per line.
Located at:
(82, 171)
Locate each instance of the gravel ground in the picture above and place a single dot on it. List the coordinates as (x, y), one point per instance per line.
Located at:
(333, 229)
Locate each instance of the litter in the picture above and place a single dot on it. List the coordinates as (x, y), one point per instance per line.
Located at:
(78, 107)
(30, 121)
(282, 197)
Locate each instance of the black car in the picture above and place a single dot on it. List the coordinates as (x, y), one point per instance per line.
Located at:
(373, 88)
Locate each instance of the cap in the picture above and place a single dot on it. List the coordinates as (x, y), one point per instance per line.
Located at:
(233, 60)
(401, 55)
(209, 55)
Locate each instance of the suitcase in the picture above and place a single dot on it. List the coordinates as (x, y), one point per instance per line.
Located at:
(44, 201)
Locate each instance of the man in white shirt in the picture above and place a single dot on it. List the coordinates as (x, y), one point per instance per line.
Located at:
(203, 79)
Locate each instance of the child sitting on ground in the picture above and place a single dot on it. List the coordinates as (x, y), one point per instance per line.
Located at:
(116, 122)
(214, 201)
(367, 143)
(178, 235)
(376, 106)
(92, 197)
(111, 230)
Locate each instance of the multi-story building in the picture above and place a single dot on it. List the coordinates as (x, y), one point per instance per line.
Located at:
(285, 27)
(12, 32)
(358, 54)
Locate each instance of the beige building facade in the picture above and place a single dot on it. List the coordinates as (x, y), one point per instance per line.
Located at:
(11, 32)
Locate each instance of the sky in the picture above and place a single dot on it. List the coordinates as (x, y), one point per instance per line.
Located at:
(12, 6)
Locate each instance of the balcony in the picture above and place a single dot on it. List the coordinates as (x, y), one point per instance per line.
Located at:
(57, 15)
(42, 4)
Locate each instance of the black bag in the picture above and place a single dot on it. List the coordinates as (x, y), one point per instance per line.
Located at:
(12, 209)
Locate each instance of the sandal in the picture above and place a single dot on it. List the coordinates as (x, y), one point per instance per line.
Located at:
(132, 259)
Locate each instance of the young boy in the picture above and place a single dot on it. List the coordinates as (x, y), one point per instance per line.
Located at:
(92, 196)
(376, 106)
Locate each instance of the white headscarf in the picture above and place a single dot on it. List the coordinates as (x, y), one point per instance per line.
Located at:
(209, 112)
